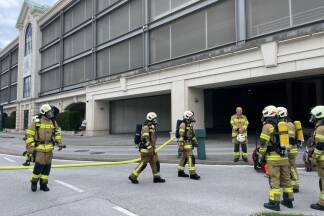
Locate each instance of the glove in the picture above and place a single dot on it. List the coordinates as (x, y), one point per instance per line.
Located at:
(60, 147)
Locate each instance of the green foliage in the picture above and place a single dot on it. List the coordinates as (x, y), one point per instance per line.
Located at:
(69, 121)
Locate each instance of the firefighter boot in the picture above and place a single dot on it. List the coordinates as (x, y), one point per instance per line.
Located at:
(317, 207)
(182, 174)
(195, 177)
(287, 203)
(134, 181)
(158, 180)
(272, 205)
(33, 186)
(43, 186)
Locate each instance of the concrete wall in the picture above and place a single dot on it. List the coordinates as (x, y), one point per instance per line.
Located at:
(125, 114)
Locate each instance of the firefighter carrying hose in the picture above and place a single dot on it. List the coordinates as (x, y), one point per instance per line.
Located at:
(147, 149)
(187, 142)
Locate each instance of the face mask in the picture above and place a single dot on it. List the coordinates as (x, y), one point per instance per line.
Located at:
(155, 121)
(312, 119)
(49, 115)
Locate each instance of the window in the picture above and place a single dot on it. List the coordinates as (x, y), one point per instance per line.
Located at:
(264, 16)
(307, 11)
(28, 40)
(26, 87)
(27, 61)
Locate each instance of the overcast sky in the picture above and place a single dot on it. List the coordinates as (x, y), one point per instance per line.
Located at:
(9, 11)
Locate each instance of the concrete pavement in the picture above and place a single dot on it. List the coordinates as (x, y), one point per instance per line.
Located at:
(223, 190)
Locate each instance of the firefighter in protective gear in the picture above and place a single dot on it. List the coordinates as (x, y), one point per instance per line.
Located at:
(317, 117)
(41, 136)
(239, 124)
(277, 159)
(147, 150)
(294, 139)
(187, 142)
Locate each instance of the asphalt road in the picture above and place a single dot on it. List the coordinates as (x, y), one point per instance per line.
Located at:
(219, 150)
(223, 190)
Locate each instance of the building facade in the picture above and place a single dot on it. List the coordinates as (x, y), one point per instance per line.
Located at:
(119, 59)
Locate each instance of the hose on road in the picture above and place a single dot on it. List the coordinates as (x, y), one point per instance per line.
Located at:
(171, 140)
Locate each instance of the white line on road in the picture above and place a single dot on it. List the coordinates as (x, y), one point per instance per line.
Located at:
(125, 211)
(69, 186)
(8, 159)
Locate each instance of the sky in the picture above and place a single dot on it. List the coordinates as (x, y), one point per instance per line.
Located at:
(9, 12)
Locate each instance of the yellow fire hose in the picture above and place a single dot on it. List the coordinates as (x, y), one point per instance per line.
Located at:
(89, 164)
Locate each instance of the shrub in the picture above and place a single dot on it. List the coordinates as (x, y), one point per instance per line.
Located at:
(69, 121)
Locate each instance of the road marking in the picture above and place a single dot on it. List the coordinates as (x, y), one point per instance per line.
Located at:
(69, 186)
(125, 211)
(10, 160)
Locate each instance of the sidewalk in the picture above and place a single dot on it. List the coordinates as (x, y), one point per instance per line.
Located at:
(120, 147)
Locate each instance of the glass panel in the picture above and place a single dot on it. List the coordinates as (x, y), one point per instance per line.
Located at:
(221, 23)
(136, 14)
(119, 22)
(264, 16)
(188, 35)
(78, 71)
(5, 79)
(103, 29)
(51, 56)
(160, 44)
(13, 75)
(50, 80)
(177, 3)
(51, 32)
(307, 11)
(103, 63)
(136, 52)
(77, 14)
(119, 57)
(14, 57)
(13, 93)
(5, 64)
(78, 42)
(159, 7)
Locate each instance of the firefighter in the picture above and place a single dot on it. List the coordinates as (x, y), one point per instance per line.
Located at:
(187, 142)
(317, 118)
(147, 150)
(274, 142)
(296, 137)
(41, 136)
(239, 124)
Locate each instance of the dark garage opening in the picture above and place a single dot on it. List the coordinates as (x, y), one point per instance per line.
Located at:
(298, 95)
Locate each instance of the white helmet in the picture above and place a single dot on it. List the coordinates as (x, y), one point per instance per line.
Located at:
(188, 115)
(151, 116)
(241, 138)
(317, 113)
(269, 111)
(45, 108)
(282, 112)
